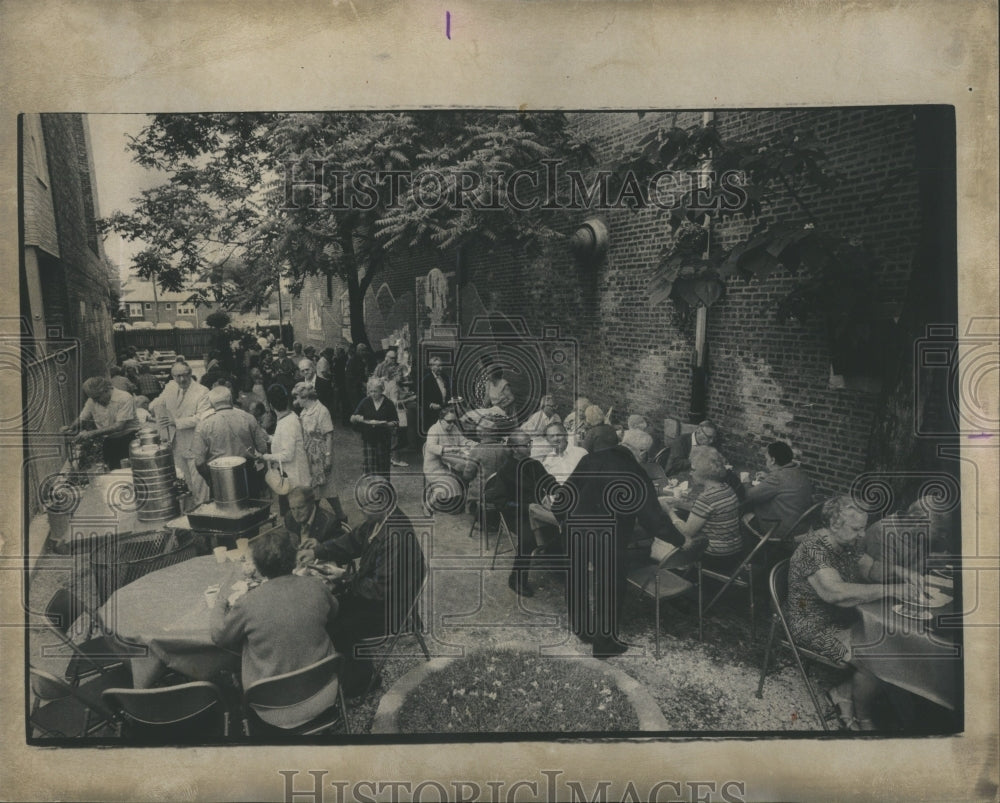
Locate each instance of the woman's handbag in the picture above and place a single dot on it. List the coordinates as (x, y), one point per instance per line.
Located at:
(277, 479)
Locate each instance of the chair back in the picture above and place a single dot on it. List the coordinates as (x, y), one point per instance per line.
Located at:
(290, 688)
(63, 610)
(48, 687)
(778, 586)
(807, 521)
(166, 706)
(671, 428)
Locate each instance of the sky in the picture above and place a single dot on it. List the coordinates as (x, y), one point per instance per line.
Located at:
(119, 179)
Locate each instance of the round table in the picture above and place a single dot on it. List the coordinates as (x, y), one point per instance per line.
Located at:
(165, 612)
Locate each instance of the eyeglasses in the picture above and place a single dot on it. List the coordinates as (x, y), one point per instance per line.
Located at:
(182, 376)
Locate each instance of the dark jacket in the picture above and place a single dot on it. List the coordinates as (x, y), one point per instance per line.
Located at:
(429, 393)
(323, 526)
(677, 458)
(392, 566)
(517, 485)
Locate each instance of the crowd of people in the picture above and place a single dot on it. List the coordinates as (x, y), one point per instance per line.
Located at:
(277, 407)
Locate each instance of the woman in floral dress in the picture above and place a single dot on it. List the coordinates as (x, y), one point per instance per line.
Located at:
(317, 434)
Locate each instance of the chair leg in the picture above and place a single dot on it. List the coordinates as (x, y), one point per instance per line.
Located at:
(656, 602)
(753, 609)
(343, 708)
(701, 631)
(767, 655)
(805, 679)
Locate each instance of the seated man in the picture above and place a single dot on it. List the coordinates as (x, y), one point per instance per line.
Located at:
(444, 437)
(537, 423)
(521, 481)
(782, 495)
(575, 422)
(486, 457)
(906, 539)
(560, 464)
(390, 574)
(677, 456)
(307, 521)
(112, 412)
(599, 430)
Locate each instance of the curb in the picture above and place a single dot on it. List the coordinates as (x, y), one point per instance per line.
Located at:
(647, 710)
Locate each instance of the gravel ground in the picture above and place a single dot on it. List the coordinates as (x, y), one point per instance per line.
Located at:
(700, 686)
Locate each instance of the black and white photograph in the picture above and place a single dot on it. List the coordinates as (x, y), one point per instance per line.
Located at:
(470, 427)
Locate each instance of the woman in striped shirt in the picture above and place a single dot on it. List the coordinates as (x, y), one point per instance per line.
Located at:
(715, 513)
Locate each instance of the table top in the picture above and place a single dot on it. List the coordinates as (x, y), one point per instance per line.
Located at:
(922, 656)
(167, 612)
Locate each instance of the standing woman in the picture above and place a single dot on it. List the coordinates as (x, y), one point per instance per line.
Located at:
(376, 417)
(287, 444)
(317, 433)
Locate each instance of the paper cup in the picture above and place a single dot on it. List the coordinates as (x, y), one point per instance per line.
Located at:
(211, 595)
(220, 554)
(243, 545)
(744, 476)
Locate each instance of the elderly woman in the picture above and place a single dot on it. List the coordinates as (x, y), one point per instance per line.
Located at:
(317, 435)
(287, 444)
(376, 417)
(828, 576)
(535, 426)
(280, 626)
(715, 512)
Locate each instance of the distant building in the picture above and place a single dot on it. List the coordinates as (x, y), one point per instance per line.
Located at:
(141, 303)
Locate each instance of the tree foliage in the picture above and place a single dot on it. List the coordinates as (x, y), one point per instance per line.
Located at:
(278, 195)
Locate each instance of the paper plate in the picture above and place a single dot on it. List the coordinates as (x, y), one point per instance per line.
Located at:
(911, 612)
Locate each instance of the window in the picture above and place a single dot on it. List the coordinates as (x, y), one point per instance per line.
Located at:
(134, 310)
(185, 309)
(167, 306)
(148, 305)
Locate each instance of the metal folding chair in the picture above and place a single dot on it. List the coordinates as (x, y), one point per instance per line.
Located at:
(742, 576)
(778, 584)
(61, 710)
(292, 688)
(482, 519)
(90, 655)
(170, 713)
(658, 582)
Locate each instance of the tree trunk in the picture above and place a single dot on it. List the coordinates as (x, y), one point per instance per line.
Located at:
(909, 426)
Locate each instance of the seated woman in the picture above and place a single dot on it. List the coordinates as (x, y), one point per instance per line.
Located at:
(828, 576)
(715, 512)
(280, 626)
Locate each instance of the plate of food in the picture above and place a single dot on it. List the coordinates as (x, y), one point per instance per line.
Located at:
(911, 611)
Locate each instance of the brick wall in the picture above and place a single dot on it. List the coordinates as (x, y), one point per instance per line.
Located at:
(767, 380)
(79, 286)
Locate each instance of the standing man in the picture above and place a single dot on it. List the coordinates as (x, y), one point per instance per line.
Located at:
(435, 390)
(112, 411)
(178, 409)
(323, 387)
(595, 599)
(228, 432)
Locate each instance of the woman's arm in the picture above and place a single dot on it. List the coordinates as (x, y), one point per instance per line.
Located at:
(687, 528)
(831, 587)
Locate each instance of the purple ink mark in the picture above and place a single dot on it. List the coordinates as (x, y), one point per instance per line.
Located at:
(981, 435)
(447, 24)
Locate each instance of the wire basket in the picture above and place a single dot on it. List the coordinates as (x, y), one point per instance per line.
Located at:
(124, 559)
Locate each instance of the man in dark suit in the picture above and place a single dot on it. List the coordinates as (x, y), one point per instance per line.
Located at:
(307, 521)
(520, 481)
(610, 483)
(677, 456)
(390, 574)
(435, 390)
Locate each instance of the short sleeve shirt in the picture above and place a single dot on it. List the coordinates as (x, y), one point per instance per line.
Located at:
(121, 407)
(721, 510)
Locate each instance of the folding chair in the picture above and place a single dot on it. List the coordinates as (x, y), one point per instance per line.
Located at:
(659, 582)
(410, 625)
(805, 523)
(171, 713)
(742, 576)
(90, 656)
(279, 693)
(482, 518)
(778, 583)
(59, 709)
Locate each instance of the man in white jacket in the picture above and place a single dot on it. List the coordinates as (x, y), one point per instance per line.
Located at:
(178, 409)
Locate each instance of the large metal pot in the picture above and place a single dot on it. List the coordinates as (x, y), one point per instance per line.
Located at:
(155, 478)
(230, 485)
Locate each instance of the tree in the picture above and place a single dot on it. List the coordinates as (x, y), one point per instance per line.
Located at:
(340, 194)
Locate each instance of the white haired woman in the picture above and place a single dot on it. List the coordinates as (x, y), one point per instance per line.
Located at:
(376, 417)
(317, 434)
(828, 576)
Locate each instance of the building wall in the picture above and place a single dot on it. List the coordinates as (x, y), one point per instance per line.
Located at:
(168, 312)
(77, 286)
(767, 380)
